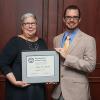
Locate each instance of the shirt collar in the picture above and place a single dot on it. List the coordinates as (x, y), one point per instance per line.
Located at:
(71, 36)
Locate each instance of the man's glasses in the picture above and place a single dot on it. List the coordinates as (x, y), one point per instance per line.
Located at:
(72, 17)
(28, 24)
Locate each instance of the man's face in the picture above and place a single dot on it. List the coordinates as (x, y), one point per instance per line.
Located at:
(71, 19)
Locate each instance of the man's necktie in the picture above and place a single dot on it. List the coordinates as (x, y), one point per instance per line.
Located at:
(67, 43)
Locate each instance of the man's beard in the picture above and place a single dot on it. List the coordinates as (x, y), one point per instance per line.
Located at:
(72, 28)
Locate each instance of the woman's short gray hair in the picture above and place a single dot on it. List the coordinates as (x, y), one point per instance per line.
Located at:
(26, 15)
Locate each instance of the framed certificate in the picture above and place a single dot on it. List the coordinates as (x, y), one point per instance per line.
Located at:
(40, 66)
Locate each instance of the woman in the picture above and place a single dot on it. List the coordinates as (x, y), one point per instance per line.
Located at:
(10, 62)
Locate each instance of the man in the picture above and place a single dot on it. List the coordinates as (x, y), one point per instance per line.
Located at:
(77, 60)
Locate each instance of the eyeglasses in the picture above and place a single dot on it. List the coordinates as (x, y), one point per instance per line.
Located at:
(72, 17)
(28, 24)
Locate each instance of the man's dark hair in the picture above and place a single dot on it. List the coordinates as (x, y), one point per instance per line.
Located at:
(72, 7)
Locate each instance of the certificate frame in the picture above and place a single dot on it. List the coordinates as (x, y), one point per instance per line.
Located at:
(33, 73)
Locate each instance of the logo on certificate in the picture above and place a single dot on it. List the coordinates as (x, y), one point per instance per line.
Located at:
(30, 60)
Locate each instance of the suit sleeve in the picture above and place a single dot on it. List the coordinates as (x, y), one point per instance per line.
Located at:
(87, 64)
(54, 42)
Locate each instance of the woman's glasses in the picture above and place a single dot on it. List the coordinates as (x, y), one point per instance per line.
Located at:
(29, 24)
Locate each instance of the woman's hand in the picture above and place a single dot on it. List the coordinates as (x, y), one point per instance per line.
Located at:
(21, 84)
(10, 76)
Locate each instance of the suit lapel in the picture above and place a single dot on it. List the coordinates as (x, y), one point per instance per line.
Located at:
(60, 39)
(75, 41)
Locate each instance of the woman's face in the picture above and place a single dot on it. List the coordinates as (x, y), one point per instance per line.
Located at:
(29, 27)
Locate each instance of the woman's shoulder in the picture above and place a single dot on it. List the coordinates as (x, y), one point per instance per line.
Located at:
(42, 42)
(12, 43)
(13, 40)
(41, 39)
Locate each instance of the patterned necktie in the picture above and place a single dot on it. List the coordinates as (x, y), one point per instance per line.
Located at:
(67, 43)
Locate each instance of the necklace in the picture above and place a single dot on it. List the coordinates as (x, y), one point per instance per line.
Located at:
(32, 45)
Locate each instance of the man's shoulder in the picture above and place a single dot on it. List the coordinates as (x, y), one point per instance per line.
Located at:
(59, 35)
(85, 35)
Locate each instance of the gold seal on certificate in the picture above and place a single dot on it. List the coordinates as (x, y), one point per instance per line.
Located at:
(40, 66)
